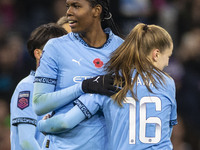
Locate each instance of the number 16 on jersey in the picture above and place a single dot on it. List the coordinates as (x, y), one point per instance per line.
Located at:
(143, 120)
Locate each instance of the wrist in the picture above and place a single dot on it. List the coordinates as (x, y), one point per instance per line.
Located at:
(39, 126)
(81, 88)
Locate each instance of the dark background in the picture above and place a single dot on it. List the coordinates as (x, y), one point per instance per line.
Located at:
(181, 18)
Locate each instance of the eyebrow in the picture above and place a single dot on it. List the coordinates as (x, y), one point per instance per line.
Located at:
(75, 1)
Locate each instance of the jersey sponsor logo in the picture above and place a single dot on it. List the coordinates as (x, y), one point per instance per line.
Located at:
(24, 120)
(77, 61)
(98, 63)
(83, 108)
(45, 80)
(78, 79)
(23, 99)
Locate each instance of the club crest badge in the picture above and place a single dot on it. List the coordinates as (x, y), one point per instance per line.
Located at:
(23, 99)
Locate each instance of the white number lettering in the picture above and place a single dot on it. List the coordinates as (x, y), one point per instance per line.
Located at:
(143, 120)
(132, 119)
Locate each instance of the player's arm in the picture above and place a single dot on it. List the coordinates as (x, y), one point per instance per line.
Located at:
(85, 107)
(23, 116)
(27, 139)
(46, 100)
(172, 97)
(62, 122)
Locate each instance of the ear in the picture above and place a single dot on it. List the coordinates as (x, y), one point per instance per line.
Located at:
(155, 54)
(37, 53)
(97, 10)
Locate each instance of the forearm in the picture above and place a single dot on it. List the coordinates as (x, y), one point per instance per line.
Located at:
(45, 100)
(62, 122)
(27, 139)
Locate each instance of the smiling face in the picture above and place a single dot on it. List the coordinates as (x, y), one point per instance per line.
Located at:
(80, 15)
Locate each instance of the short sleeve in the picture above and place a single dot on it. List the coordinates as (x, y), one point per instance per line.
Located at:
(173, 118)
(172, 96)
(21, 105)
(48, 66)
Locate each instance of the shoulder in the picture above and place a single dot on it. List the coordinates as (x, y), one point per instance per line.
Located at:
(118, 39)
(23, 92)
(61, 39)
(56, 45)
(169, 81)
(112, 36)
(26, 83)
(168, 87)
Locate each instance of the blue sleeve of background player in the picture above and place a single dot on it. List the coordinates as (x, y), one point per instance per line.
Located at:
(27, 139)
(62, 122)
(172, 91)
(45, 98)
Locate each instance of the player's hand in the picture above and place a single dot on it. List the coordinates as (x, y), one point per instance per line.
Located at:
(102, 84)
(47, 116)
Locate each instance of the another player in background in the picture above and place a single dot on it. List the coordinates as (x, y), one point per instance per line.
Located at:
(23, 118)
(63, 22)
(142, 114)
(69, 60)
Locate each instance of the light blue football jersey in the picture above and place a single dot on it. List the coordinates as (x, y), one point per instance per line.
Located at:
(145, 124)
(22, 112)
(66, 61)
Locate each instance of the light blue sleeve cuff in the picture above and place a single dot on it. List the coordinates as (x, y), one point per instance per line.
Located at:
(62, 122)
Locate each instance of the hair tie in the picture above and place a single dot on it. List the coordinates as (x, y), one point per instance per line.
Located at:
(109, 16)
(145, 28)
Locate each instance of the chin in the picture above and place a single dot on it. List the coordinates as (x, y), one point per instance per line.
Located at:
(74, 29)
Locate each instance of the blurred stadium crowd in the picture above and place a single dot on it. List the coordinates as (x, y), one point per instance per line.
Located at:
(181, 18)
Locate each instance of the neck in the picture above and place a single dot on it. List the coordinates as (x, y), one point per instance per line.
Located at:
(95, 38)
(37, 63)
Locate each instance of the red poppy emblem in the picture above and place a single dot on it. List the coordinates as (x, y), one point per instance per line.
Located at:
(98, 63)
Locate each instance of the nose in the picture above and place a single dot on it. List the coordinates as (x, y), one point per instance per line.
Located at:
(69, 11)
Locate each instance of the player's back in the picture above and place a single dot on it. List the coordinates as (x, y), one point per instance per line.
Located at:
(143, 124)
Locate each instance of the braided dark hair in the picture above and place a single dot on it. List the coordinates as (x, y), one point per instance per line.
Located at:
(106, 16)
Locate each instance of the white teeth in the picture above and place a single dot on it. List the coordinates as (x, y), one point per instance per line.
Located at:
(70, 22)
